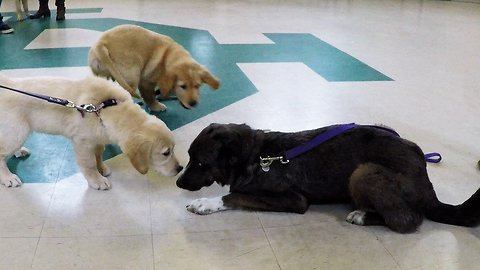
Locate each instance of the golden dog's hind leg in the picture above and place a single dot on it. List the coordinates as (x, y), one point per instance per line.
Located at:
(87, 163)
(11, 139)
(102, 168)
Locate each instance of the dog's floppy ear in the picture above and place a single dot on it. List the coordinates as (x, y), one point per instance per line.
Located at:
(221, 132)
(234, 141)
(209, 79)
(139, 152)
(167, 82)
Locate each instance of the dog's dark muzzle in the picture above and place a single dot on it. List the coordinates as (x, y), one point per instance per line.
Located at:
(181, 183)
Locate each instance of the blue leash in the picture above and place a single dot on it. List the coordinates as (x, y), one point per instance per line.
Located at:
(325, 136)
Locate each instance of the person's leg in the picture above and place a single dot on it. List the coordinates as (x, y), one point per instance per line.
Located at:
(43, 10)
(60, 10)
(4, 28)
(1, 18)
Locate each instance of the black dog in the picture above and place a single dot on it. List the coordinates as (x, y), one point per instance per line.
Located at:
(383, 175)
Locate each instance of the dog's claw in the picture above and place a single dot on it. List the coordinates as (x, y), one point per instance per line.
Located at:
(12, 181)
(102, 184)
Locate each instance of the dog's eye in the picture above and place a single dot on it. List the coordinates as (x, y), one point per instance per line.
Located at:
(184, 87)
(200, 164)
(166, 153)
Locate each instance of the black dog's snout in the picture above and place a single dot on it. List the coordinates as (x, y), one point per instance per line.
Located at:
(179, 182)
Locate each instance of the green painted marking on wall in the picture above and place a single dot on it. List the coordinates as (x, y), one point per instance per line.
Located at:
(57, 162)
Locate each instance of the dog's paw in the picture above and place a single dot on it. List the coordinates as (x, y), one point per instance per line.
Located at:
(102, 183)
(356, 217)
(11, 181)
(105, 170)
(205, 206)
(22, 152)
(157, 107)
(21, 16)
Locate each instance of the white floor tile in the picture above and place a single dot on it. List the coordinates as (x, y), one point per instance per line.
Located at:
(238, 249)
(24, 209)
(133, 252)
(78, 210)
(17, 253)
(328, 246)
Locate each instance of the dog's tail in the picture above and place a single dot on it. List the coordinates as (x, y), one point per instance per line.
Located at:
(465, 214)
(101, 51)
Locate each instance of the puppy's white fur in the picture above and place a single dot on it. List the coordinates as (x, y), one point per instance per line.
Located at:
(22, 9)
(145, 139)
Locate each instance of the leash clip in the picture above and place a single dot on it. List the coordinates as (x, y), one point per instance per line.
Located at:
(89, 108)
(70, 104)
(267, 161)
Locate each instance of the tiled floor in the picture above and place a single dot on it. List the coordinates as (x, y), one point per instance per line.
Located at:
(429, 50)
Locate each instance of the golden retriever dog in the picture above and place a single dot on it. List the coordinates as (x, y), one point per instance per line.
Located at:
(145, 139)
(22, 9)
(139, 58)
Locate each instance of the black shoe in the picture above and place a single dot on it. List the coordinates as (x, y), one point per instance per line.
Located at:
(60, 14)
(5, 28)
(40, 13)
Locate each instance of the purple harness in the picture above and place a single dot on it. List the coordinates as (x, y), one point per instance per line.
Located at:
(325, 136)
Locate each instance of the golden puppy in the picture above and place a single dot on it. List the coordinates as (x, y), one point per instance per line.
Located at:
(145, 139)
(139, 58)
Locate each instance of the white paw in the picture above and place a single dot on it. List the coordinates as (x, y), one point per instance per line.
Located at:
(157, 107)
(205, 206)
(356, 217)
(11, 181)
(101, 183)
(22, 152)
(21, 16)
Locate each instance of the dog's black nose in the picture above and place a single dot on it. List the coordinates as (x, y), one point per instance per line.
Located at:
(192, 103)
(179, 183)
(179, 169)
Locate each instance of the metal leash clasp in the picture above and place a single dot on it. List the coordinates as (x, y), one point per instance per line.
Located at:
(89, 108)
(70, 104)
(267, 161)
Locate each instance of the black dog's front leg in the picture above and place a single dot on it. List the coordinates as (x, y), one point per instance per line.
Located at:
(277, 202)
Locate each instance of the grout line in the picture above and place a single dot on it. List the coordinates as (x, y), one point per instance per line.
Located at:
(386, 249)
(44, 221)
(52, 196)
(151, 223)
(35, 252)
(268, 240)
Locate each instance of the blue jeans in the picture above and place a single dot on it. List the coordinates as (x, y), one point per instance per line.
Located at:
(1, 18)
